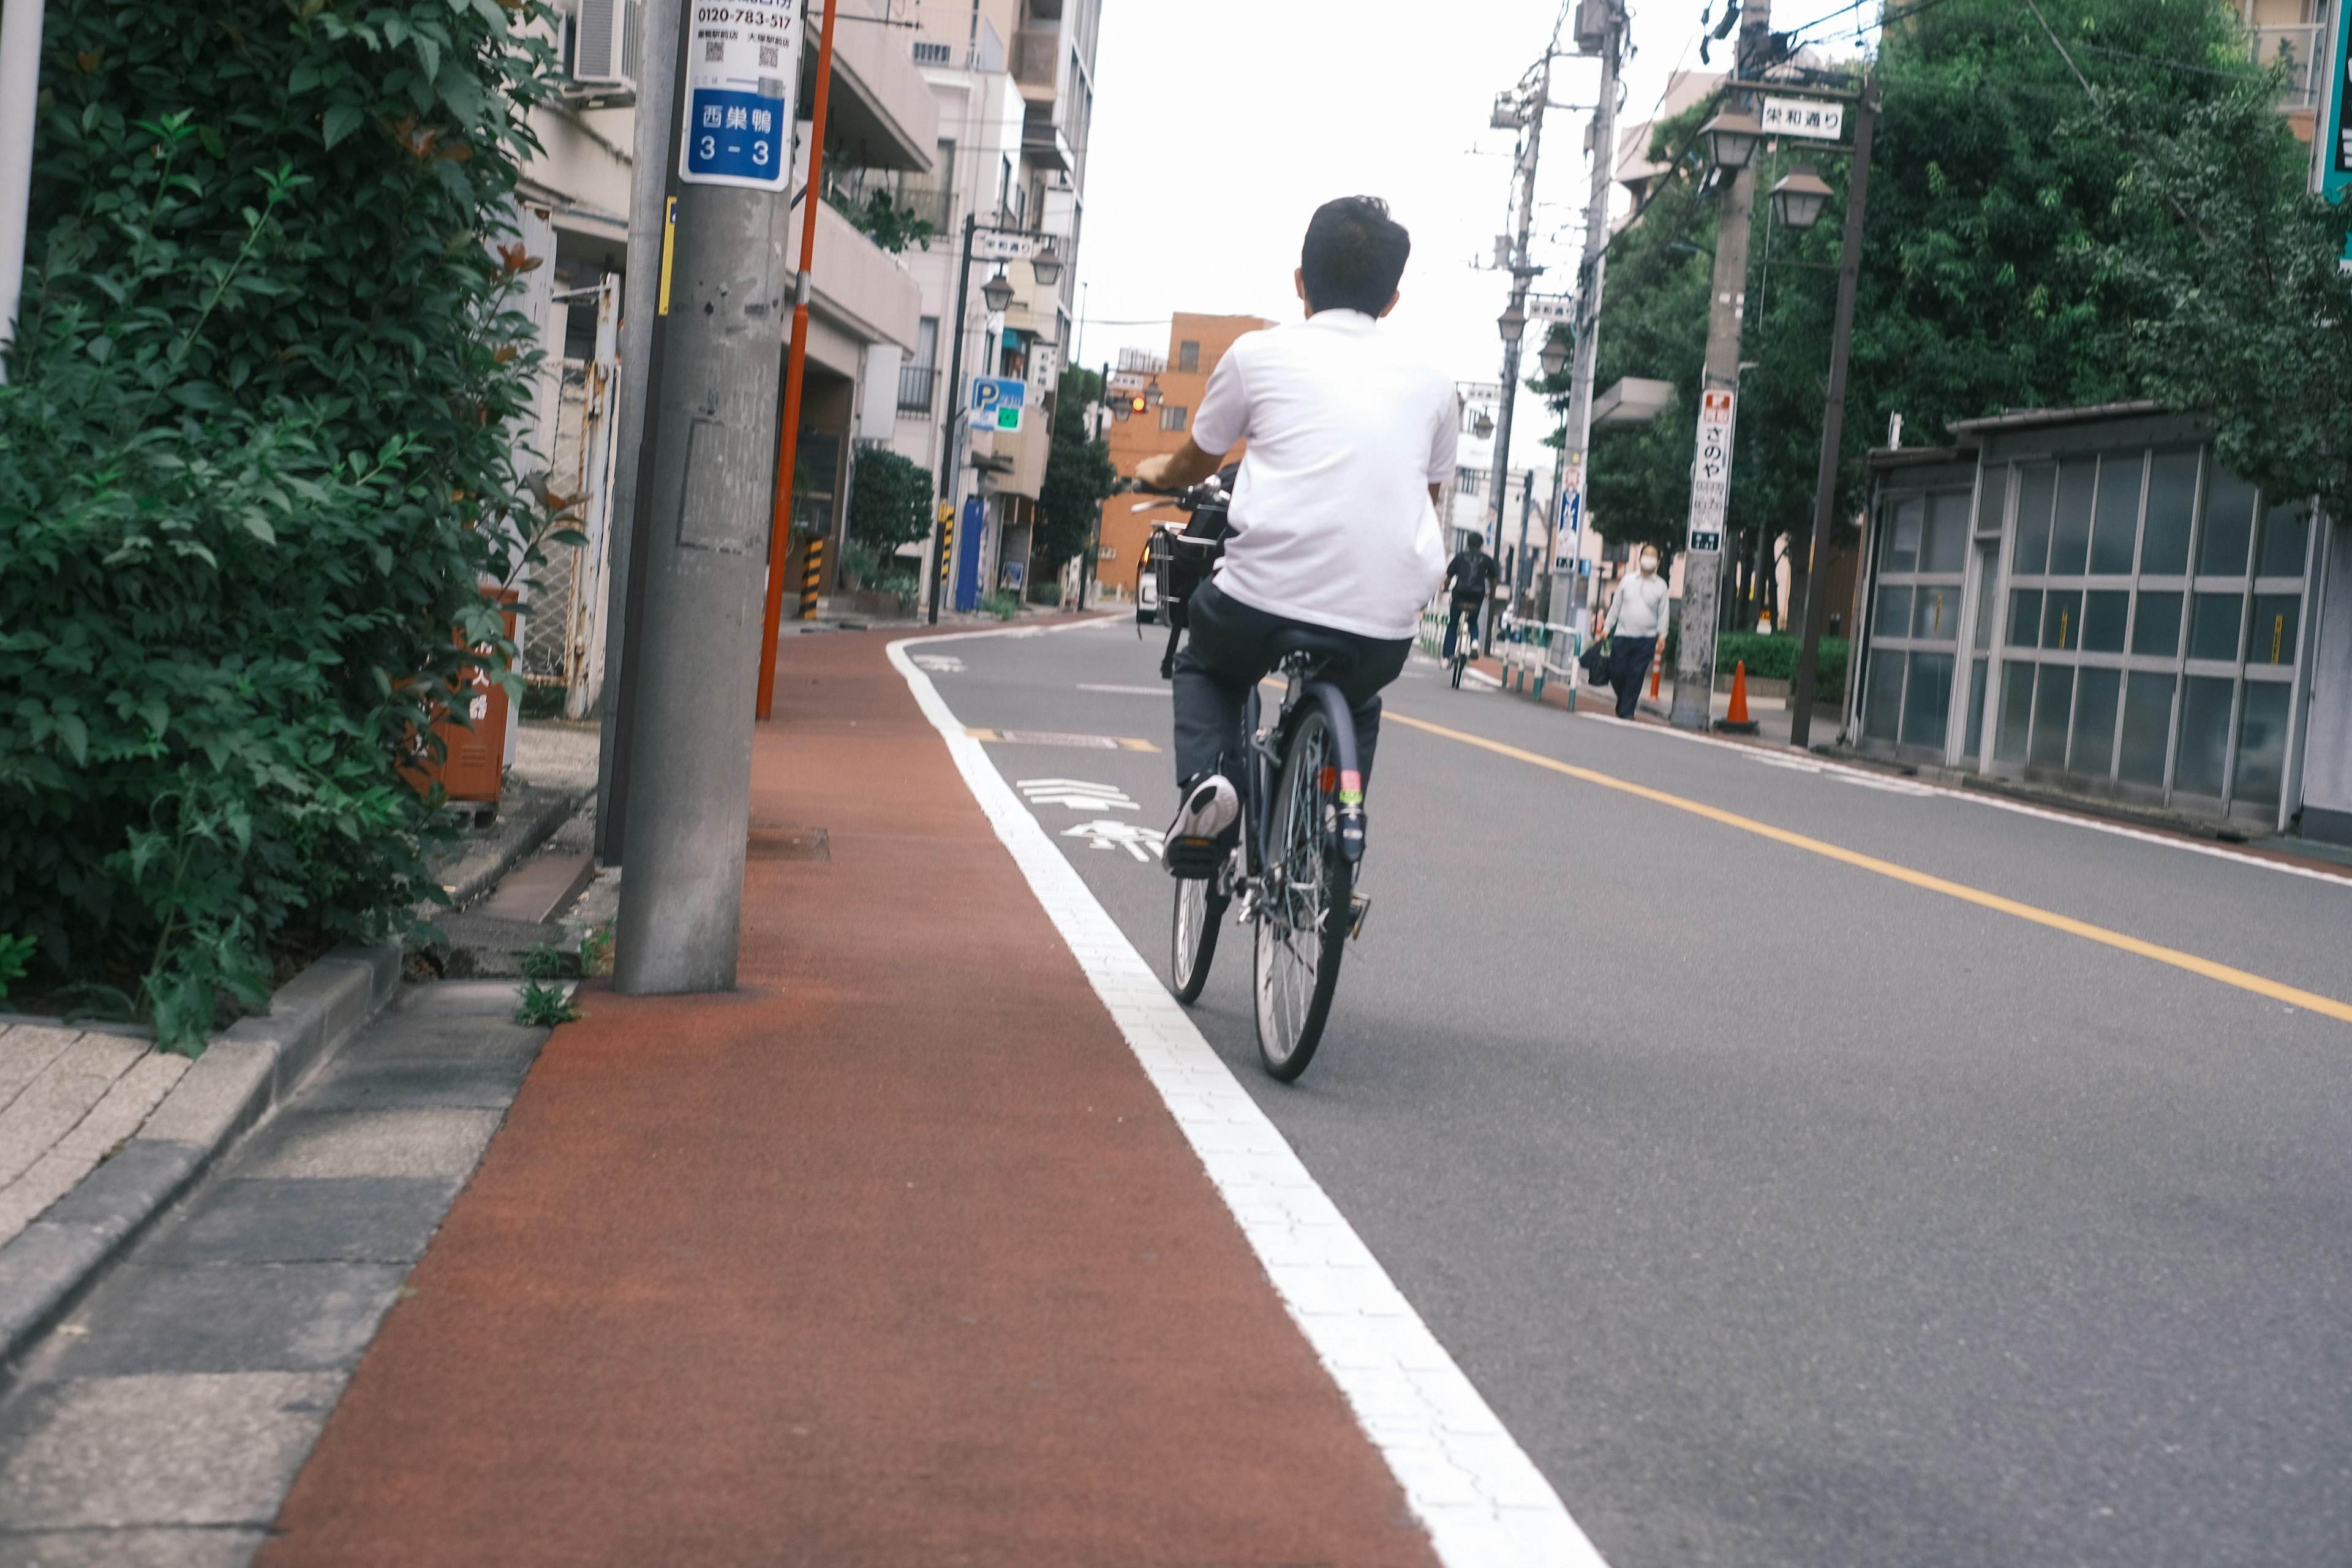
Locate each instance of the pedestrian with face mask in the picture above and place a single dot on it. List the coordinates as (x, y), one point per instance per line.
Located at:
(1637, 623)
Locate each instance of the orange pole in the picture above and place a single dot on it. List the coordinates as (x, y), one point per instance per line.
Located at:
(780, 524)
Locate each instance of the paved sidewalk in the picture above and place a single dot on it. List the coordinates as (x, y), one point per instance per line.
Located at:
(68, 1097)
(891, 1256)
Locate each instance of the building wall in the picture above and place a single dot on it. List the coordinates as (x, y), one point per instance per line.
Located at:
(1126, 532)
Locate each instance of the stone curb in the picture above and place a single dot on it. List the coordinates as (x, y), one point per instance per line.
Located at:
(244, 1072)
(471, 878)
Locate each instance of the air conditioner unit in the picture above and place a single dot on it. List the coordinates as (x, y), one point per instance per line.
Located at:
(1507, 115)
(606, 38)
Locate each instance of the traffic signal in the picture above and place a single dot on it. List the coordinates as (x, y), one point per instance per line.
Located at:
(1136, 405)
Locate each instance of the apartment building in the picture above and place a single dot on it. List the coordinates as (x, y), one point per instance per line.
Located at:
(1169, 387)
(1012, 88)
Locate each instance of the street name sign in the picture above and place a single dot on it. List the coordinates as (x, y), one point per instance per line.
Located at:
(988, 247)
(1805, 119)
(743, 66)
(1551, 308)
(997, 401)
(1711, 471)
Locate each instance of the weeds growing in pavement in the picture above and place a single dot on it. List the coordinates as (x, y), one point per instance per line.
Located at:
(543, 1007)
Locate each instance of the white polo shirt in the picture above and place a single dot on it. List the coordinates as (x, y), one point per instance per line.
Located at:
(1331, 515)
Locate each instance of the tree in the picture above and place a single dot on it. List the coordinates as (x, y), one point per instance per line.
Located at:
(1998, 270)
(889, 501)
(1078, 477)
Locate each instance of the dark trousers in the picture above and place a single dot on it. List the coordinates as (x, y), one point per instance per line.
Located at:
(1228, 649)
(1629, 665)
(1456, 612)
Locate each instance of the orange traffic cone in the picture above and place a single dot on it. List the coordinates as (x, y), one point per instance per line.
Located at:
(1737, 721)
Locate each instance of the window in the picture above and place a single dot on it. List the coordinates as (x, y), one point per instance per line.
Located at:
(1172, 417)
(1470, 481)
(918, 377)
(1914, 621)
(2154, 624)
(931, 54)
(1188, 358)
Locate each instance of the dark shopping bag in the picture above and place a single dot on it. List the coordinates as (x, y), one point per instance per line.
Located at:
(1595, 661)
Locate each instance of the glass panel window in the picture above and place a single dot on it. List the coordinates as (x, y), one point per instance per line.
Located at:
(1172, 417)
(1976, 700)
(2024, 618)
(1882, 699)
(2069, 535)
(1894, 613)
(2286, 535)
(1946, 544)
(2229, 526)
(1929, 703)
(2053, 708)
(2204, 737)
(1936, 614)
(2213, 628)
(2171, 508)
(2148, 729)
(2097, 695)
(2261, 743)
(2103, 615)
(2275, 623)
(2114, 526)
(1901, 538)
(1987, 602)
(1991, 494)
(2062, 619)
(2157, 633)
(2016, 713)
(2037, 491)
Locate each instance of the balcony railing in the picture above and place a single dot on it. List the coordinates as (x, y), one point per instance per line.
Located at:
(919, 389)
(1037, 57)
(2299, 46)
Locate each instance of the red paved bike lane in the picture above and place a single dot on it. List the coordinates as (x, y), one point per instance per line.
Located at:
(892, 1256)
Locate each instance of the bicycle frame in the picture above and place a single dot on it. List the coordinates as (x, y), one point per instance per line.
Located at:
(1263, 768)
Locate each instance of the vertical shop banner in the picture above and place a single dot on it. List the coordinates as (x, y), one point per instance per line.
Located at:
(1711, 471)
(743, 65)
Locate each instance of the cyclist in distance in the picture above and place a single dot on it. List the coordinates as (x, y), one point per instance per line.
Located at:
(1334, 511)
(1471, 574)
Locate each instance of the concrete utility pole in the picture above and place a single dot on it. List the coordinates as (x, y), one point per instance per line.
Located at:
(1515, 320)
(722, 291)
(1577, 444)
(1727, 306)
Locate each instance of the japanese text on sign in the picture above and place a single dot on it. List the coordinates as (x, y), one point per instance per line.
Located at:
(996, 403)
(741, 66)
(1803, 118)
(1711, 471)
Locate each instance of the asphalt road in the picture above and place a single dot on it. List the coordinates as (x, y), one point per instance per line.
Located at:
(1789, 1213)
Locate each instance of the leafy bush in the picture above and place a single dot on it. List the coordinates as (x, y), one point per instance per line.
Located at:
(1775, 658)
(1004, 606)
(255, 467)
(886, 223)
(890, 503)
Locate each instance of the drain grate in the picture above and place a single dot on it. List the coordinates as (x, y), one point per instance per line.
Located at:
(788, 844)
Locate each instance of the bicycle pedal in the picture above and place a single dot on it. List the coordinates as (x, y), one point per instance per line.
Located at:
(1193, 859)
(1359, 906)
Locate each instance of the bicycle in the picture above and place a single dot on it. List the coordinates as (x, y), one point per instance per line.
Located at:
(1300, 839)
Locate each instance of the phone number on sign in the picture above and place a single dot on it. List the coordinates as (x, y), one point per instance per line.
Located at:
(745, 16)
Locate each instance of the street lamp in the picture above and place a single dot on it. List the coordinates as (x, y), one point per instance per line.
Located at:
(1483, 426)
(1732, 137)
(997, 292)
(1800, 197)
(1151, 394)
(1513, 324)
(1554, 357)
(1045, 266)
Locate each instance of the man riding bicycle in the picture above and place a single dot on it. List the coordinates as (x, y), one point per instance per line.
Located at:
(1334, 511)
(1472, 575)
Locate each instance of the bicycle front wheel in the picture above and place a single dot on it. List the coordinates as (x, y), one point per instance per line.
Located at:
(1192, 935)
(1302, 919)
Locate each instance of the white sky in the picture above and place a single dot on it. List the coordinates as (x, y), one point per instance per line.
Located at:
(1220, 125)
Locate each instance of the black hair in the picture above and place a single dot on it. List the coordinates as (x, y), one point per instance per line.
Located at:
(1354, 255)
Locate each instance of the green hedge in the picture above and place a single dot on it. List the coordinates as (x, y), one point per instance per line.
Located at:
(1775, 658)
(255, 464)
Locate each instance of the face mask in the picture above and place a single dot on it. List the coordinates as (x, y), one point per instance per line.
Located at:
(1649, 565)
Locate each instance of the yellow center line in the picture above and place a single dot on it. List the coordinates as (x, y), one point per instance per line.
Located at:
(2244, 981)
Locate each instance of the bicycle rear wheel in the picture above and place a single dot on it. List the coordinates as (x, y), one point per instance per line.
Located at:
(1302, 920)
(1193, 934)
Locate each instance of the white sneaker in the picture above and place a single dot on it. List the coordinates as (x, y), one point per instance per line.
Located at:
(1192, 847)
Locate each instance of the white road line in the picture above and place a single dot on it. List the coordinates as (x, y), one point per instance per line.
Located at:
(1131, 691)
(1795, 762)
(1483, 1500)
